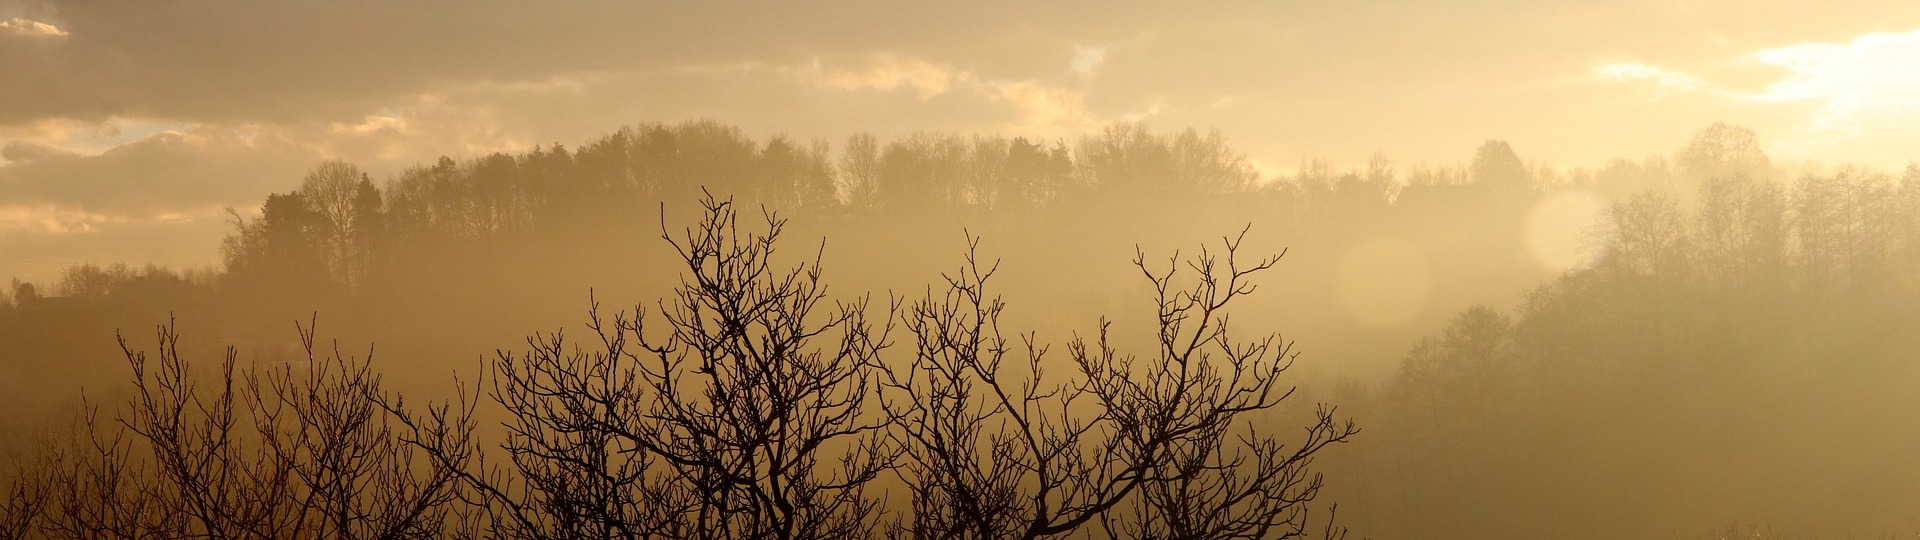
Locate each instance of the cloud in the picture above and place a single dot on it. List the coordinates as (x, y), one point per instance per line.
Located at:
(1876, 72)
(337, 60)
(29, 151)
(30, 28)
(889, 72)
(1046, 110)
(52, 219)
(110, 110)
(40, 240)
(1086, 59)
(1842, 100)
(1037, 106)
(1636, 71)
(168, 171)
(375, 123)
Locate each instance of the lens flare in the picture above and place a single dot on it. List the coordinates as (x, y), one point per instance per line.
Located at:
(1558, 229)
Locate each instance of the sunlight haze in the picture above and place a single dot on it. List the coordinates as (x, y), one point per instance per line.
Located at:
(865, 269)
(124, 117)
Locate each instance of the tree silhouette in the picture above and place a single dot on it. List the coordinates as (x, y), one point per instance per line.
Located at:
(277, 452)
(1178, 417)
(859, 180)
(1495, 164)
(994, 450)
(1723, 151)
(753, 414)
(747, 416)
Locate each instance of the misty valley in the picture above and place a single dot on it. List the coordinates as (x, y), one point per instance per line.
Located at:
(687, 331)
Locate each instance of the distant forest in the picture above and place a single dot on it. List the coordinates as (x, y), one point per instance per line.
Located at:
(343, 233)
(1733, 315)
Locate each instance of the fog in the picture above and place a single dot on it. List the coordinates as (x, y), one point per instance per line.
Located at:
(307, 314)
(1673, 346)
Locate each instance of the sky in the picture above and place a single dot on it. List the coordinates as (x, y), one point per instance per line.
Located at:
(127, 128)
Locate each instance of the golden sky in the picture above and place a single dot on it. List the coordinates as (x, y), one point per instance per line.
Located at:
(126, 127)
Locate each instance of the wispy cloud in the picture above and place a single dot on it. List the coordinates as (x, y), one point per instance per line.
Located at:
(1086, 59)
(53, 219)
(889, 72)
(1846, 86)
(30, 28)
(1044, 109)
(1043, 106)
(1636, 71)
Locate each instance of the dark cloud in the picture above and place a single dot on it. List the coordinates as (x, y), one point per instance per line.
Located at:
(163, 173)
(29, 151)
(292, 60)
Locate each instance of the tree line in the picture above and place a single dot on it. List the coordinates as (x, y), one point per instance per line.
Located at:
(341, 230)
(1745, 351)
(1733, 314)
(747, 404)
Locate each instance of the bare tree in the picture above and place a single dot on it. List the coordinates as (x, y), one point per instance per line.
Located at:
(22, 501)
(991, 450)
(570, 474)
(209, 473)
(91, 483)
(329, 190)
(261, 453)
(859, 179)
(747, 406)
(1161, 448)
(353, 476)
(333, 191)
(1177, 418)
(746, 416)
